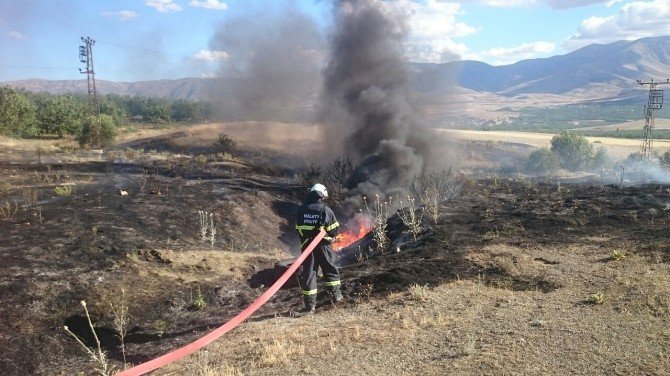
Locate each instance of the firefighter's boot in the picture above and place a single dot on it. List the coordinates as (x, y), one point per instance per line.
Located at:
(310, 304)
(337, 296)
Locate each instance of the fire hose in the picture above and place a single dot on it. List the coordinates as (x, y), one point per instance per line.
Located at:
(203, 341)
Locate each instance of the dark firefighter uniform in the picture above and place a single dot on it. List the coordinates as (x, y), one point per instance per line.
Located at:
(313, 216)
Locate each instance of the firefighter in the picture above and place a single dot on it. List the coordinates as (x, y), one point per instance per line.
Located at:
(313, 216)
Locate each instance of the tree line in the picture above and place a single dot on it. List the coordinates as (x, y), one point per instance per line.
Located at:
(26, 114)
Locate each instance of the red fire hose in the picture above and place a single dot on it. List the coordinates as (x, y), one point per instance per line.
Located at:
(196, 345)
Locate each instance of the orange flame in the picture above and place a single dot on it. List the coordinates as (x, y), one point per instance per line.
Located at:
(345, 239)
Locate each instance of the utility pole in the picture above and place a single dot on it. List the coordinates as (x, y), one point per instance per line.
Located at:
(655, 103)
(86, 57)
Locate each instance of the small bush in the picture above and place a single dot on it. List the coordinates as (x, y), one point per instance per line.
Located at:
(8, 211)
(574, 150)
(98, 131)
(600, 160)
(337, 176)
(311, 176)
(618, 255)
(542, 161)
(202, 160)
(665, 159)
(379, 216)
(130, 154)
(419, 292)
(597, 298)
(63, 191)
(633, 158)
(199, 301)
(227, 144)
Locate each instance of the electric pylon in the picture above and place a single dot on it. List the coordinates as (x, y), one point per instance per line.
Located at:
(655, 103)
(86, 57)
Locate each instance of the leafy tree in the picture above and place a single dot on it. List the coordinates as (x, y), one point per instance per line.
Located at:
(18, 115)
(183, 110)
(136, 106)
(574, 150)
(61, 114)
(157, 110)
(542, 161)
(115, 107)
(600, 159)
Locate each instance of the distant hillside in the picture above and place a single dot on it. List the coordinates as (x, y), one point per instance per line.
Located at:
(616, 64)
(597, 72)
(184, 88)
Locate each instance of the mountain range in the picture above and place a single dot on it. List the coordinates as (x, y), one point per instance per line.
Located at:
(595, 72)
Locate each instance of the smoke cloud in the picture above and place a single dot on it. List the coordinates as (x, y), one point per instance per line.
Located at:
(365, 98)
(273, 70)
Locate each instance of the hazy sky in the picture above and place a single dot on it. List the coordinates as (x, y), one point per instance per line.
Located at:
(154, 39)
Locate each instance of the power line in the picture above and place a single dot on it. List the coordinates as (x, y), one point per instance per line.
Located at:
(141, 49)
(33, 67)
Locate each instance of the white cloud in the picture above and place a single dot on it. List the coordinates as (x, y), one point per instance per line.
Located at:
(211, 56)
(634, 20)
(16, 35)
(209, 4)
(499, 3)
(611, 3)
(123, 15)
(163, 5)
(508, 55)
(565, 4)
(509, 3)
(556, 4)
(433, 29)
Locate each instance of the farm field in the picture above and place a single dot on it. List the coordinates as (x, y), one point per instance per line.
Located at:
(616, 147)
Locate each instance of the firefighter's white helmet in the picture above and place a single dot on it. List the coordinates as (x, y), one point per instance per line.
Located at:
(320, 189)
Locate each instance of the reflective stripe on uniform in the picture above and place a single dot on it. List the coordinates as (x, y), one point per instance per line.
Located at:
(309, 292)
(302, 228)
(328, 238)
(305, 242)
(331, 227)
(333, 283)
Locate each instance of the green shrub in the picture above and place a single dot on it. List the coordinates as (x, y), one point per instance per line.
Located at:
(665, 159)
(600, 159)
(574, 150)
(63, 191)
(18, 114)
(634, 158)
(98, 131)
(542, 161)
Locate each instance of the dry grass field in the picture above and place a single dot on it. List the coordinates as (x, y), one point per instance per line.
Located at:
(616, 147)
(519, 275)
(517, 278)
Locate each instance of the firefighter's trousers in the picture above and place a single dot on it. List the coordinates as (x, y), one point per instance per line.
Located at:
(322, 256)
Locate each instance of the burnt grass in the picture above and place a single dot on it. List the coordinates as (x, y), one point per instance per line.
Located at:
(89, 245)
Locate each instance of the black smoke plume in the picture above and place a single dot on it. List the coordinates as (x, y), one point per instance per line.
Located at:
(365, 99)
